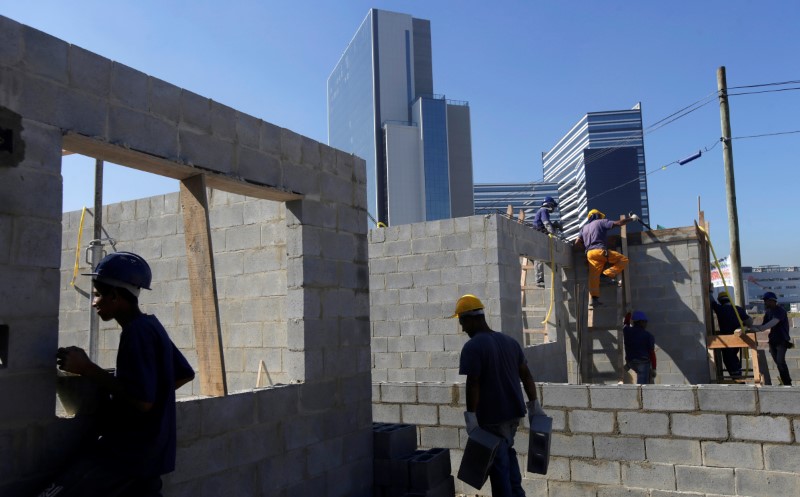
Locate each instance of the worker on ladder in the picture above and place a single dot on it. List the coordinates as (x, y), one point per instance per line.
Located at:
(593, 237)
(728, 323)
(541, 222)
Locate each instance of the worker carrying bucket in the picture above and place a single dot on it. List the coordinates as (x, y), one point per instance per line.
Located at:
(593, 238)
(494, 365)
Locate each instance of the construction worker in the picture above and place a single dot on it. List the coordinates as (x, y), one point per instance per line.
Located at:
(137, 431)
(541, 222)
(592, 237)
(639, 347)
(495, 365)
(777, 321)
(728, 323)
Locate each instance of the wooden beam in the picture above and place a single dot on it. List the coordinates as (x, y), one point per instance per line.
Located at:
(203, 286)
(134, 159)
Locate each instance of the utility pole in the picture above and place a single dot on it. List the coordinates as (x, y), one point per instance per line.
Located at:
(730, 188)
(96, 252)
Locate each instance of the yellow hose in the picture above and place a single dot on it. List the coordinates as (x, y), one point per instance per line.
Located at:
(78, 249)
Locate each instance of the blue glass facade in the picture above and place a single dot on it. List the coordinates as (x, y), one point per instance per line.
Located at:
(383, 75)
(494, 198)
(600, 152)
(436, 163)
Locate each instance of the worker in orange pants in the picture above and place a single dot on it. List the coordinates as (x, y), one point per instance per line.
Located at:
(593, 237)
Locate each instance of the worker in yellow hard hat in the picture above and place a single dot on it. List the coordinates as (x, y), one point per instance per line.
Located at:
(728, 323)
(592, 237)
(495, 365)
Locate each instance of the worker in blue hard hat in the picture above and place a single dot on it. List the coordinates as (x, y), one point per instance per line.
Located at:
(777, 321)
(541, 222)
(639, 347)
(137, 432)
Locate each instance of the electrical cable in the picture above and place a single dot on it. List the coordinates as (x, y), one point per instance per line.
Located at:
(765, 84)
(765, 134)
(762, 91)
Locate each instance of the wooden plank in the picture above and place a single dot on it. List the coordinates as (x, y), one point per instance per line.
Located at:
(134, 159)
(759, 340)
(203, 286)
(624, 303)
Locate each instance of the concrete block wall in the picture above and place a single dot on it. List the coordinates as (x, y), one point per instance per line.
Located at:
(418, 271)
(250, 262)
(650, 440)
(54, 95)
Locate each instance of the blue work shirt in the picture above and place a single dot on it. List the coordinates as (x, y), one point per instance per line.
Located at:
(727, 317)
(495, 359)
(148, 365)
(638, 343)
(541, 219)
(594, 233)
(778, 334)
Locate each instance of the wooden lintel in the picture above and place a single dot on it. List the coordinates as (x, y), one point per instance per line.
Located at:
(203, 287)
(142, 161)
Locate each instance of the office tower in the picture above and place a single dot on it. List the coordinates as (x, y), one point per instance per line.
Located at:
(382, 108)
(494, 198)
(599, 164)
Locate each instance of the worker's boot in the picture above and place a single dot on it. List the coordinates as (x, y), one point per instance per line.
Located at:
(595, 302)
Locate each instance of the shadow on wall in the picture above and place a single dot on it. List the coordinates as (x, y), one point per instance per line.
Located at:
(671, 297)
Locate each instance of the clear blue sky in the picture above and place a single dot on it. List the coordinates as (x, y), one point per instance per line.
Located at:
(529, 69)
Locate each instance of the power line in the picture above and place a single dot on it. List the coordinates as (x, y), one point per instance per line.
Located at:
(763, 91)
(765, 134)
(764, 84)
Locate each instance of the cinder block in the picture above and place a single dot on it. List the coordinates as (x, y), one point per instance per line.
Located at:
(648, 475)
(195, 111)
(571, 446)
(445, 488)
(614, 396)
(558, 395)
(732, 455)
(669, 451)
(129, 86)
(766, 483)
(761, 428)
(45, 55)
(393, 472)
(782, 458)
(420, 414)
(591, 422)
(439, 437)
(619, 448)
(637, 423)
(779, 400)
(668, 398)
(614, 491)
(705, 480)
(703, 426)
(727, 398)
(206, 151)
(427, 470)
(394, 440)
(595, 471)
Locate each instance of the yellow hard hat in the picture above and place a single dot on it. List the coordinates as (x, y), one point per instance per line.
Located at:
(467, 303)
(592, 212)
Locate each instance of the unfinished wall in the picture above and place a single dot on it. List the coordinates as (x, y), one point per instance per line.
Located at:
(418, 271)
(67, 97)
(249, 240)
(639, 441)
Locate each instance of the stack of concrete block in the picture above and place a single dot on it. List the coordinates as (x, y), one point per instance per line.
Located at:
(400, 470)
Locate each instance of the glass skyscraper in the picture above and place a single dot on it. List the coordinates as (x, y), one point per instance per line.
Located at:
(494, 198)
(381, 107)
(599, 164)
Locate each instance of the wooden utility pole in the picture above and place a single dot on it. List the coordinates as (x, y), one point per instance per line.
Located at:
(730, 188)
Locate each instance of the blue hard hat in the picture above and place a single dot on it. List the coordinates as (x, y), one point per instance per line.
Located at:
(123, 269)
(770, 296)
(549, 200)
(638, 316)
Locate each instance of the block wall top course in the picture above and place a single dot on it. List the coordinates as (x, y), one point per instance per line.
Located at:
(130, 118)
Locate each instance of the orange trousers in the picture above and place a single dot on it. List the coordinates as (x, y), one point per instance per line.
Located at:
(597, 265)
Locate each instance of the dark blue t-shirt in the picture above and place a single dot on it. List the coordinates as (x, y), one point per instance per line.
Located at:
(594, 233)
(495, 359)
(148, 364)
(638, 343)
(727, 317)
(779, 334)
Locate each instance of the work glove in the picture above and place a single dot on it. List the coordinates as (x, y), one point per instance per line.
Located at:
(471, 421)
(635, 217)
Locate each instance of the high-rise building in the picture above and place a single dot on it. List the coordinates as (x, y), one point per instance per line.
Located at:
(599, 164)
(382, 108)
(494, 198)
